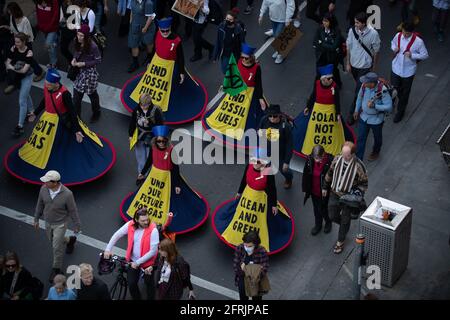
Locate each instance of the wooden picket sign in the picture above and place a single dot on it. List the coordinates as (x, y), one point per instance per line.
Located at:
(287, 40)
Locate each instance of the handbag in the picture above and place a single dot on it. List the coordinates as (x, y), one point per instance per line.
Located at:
(73, 72)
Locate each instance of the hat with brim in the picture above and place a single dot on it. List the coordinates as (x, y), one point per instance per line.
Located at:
(369, 77)
(273, 109)
(161, 131)
(51, 175)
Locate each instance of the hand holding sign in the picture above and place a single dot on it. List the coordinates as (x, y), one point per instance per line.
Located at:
(177, 190)
(79, 136)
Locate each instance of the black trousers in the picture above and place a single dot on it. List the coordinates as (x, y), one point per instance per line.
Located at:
(5, 46)
(133, 279)
(357, 73)
(37, 70)
(320, 210)
(340, 214)
(403, 86)
(95, 102)
(199, 42)
(312, 6)
(242, 295)
(67, 36)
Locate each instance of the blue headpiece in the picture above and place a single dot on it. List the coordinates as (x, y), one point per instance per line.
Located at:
(164, 23)
(246, 49)
(326, 70)
(52, 76)
(161, 131)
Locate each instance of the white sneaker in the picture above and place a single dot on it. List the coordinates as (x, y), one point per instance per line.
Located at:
(297, 23)
(275, 55)
(269, 33)
(279, 59)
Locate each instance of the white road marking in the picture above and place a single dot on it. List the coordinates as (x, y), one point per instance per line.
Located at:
(23, 217)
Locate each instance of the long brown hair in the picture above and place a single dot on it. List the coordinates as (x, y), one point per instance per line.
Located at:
(86, 48)
(169, 246)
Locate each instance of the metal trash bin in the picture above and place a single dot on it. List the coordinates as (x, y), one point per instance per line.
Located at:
(387, 228)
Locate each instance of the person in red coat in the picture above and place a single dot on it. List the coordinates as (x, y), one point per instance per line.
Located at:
(47, 16)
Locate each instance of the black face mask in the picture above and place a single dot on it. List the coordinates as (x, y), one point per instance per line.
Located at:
(229, 23)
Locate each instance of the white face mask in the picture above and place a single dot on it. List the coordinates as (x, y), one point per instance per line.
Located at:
(249, 250)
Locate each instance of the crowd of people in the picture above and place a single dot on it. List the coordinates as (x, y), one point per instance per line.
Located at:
(335, 181)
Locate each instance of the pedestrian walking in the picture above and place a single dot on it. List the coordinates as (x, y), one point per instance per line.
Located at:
(57, 204)
(440, 17)
(144, 117)
(142, 251)
(276, 128)
(66, 35)
(280, 14)
(347, 177)
(172, 273)
(409, 49)
(198, 28)
(48, 17)
(363, 46)
(92, 288)
(247, 253)
(87, 56)
(59, 291)
(355, 7)
(372, 104)
(19, 75)
(314, 171)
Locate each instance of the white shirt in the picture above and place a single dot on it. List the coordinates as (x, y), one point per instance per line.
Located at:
(166, 270)
(203, 12)
(136, 252)
(403, 66)
(359, 58)
(279, 10)
(53, 194)
(23, 26)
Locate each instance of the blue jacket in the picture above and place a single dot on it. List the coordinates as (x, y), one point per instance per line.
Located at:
(383, 104)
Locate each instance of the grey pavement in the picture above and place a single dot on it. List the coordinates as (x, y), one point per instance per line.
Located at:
(410, 171)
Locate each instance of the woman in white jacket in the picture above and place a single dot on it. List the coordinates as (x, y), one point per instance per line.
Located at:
(280, 14)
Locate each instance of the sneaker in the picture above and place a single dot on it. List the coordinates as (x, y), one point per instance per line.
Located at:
(279, 59)
(269, 33)
(95, 117)
(55, 271)
(327, 228)
(275, 55)
(70, 245)
(373, 156)
(18, 131)
(39, 77)
(315, 231)
(9, 89)
(133, 67)
(297, 23)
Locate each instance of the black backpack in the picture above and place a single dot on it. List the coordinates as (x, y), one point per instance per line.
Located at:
(215, 15)
(37, 288)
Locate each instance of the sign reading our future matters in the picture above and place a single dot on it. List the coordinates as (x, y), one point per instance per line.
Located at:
(157, 81)
(324, 129)
(155, 195)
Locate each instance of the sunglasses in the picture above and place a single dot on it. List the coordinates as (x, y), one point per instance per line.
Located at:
(165, 30)
(11, 265)
(245, 58)
(160, 141)
(329, 78)
(274, 116)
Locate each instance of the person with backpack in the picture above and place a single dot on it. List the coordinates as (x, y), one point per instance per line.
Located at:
(372, 104)
(230, 37)
(327, 44)
(143, 119)
(172, 273)
(48, 16)
(17, 283)
(409, 49)
(363, 46)
(275, 127)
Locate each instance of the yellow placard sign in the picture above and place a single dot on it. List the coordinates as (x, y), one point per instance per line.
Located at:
(324, 129)
(89, 133)
(36, 151)
(155, 195)
(134, 139)
(251, 214)
(157, 81)
(230, 116)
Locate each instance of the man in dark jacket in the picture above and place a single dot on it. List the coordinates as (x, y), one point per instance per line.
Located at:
(275, 127)
(323, 6)
(91, 288)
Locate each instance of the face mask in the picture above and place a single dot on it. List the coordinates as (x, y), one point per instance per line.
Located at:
(228, 23)
(249, 250)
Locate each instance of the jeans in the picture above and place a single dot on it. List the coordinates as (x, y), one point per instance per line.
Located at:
(51, 43)
(56, 235)
(142, 151)
(277, 28)
(133, 277)
(357, 73)
(363, 132)
(199, 42)
(95, 102)
(320, 210)
(98, 16)
(242, 295)
(340, 214)
(224, 63)
(403, 86)
(25, 102)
